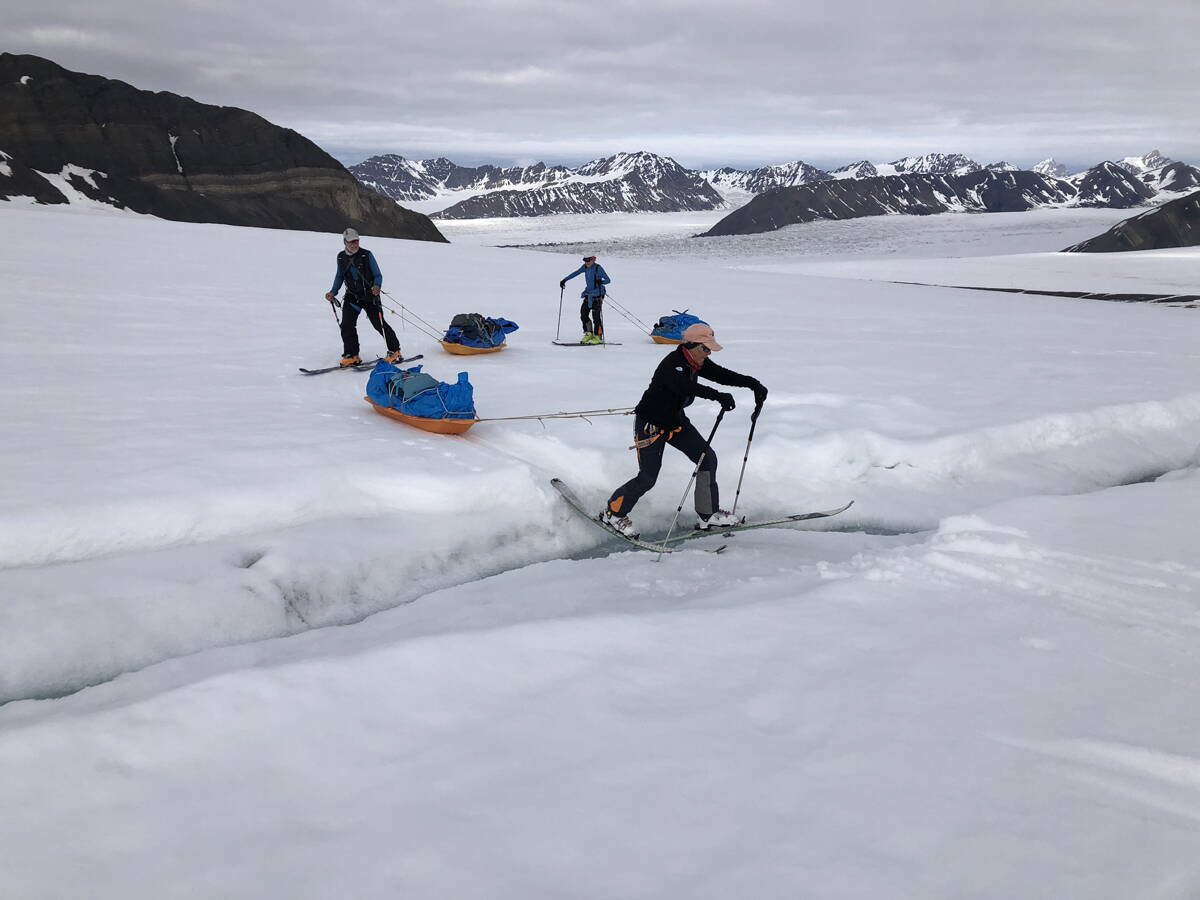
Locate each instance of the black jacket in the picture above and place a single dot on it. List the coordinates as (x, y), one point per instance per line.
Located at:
(675, 386)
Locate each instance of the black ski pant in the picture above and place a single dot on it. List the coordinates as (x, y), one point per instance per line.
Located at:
(592, 309)
(371, 306)
(688, 441)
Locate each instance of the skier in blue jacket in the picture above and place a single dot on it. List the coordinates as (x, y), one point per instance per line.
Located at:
(357, 269)
(595, 279)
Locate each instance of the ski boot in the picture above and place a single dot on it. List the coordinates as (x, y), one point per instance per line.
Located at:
(587, 338)
(394, 356)
(348, 361)
(719, 519)
(619, 523)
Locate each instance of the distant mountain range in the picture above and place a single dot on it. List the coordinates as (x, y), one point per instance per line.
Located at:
(68, 137)
(646, 182)
(984, 190)
(625, 182)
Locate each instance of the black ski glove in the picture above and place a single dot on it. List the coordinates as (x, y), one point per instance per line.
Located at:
(760, 397)
(562, 285)
(726, 401)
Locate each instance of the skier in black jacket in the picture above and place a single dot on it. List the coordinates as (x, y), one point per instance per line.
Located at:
(659, 419)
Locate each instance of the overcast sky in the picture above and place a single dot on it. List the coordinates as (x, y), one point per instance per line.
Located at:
(743, 82)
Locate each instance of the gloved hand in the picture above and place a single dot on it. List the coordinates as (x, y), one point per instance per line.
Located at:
(562, 285)
(760, 397)
(375, 289)
(329, 295)
(726, 401)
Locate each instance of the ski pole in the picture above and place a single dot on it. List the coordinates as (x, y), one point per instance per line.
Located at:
(333, 305)
(561, 291)
(753, 423)
(695, 472)
(382, 323)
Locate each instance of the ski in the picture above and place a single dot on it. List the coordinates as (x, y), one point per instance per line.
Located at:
(773, 523)
(577, 505)
(577, 344)
(357, 367)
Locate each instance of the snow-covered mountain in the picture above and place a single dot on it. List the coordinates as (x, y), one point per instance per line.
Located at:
(860, 169)
(1052, 168)
(420, 179)
(1148, 162)
(985, 190)
(755, 181)
(647, 182)
(624, 182)
(930, 164)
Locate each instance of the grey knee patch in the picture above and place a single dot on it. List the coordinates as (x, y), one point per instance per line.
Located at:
(704, 494)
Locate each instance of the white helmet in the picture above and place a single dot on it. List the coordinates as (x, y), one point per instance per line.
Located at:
(349, 235)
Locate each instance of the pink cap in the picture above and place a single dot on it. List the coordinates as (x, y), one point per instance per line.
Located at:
(702, 334)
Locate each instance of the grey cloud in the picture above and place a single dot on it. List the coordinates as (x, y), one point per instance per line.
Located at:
(744, 83)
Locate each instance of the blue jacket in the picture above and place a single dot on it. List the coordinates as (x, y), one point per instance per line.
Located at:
(352, 270)
(596, 278)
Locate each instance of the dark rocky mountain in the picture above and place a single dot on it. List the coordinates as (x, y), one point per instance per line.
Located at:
(18, 180)
(172, 157)
(982, 191)
(1174, 224)
(1175, 178)
(626, 182)
(1110, 186)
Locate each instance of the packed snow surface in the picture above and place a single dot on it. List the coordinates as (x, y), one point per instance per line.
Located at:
(672, 235)
(978, 682)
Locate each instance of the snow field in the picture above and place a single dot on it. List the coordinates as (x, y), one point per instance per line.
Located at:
(919, 718)
(189, 489)
(871, 239)
(982, 687)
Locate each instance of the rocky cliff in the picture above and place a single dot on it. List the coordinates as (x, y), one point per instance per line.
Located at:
(170, 156)
(1174, 224)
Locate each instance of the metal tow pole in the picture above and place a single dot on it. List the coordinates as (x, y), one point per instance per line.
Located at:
(695, 472)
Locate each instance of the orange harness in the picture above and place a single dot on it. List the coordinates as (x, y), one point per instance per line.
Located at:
(646, 442)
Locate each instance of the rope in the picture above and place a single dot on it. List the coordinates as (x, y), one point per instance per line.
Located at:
(628, 315)
(583, 414)
(409, 316)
